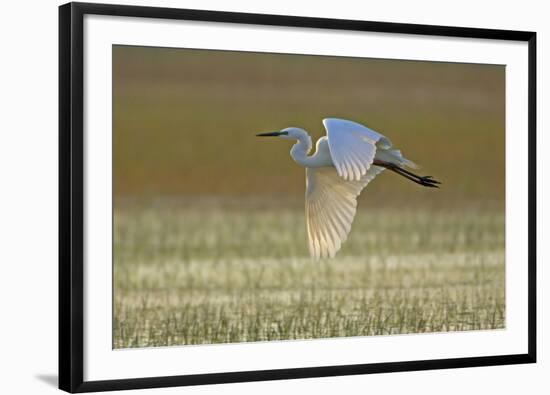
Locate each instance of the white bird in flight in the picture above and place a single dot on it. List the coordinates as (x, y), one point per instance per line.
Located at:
(345, 161)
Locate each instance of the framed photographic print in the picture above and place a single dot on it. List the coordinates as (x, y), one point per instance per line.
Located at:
(253, 197)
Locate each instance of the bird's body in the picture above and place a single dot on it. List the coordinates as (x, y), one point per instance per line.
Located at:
(344, 162)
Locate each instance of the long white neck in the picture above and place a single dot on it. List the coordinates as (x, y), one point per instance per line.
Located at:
(300, 150)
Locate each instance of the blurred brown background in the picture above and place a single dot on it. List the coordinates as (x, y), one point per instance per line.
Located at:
(185, 123)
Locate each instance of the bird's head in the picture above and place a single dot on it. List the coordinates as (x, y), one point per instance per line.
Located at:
(291, 133)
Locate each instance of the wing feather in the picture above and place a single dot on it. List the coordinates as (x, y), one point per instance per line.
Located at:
(331, 203)
(352, 147)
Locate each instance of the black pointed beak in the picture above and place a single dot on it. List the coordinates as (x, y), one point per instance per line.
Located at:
(269, 134)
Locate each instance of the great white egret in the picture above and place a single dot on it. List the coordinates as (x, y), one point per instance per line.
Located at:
(345, 161)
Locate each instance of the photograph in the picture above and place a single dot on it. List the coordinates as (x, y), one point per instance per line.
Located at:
(270, 197)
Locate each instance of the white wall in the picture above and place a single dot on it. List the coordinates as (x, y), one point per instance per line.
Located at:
(28, 209)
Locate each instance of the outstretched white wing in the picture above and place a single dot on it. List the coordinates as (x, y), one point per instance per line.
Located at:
(352, 147)
(331, 204)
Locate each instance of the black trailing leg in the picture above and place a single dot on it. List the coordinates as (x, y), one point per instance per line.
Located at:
(427, 181)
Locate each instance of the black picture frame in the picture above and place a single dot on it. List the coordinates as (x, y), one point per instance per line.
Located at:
(71, 204)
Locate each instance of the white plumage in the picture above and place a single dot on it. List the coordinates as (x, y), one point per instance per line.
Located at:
(331, 203)
(352, 147)
(345, 161)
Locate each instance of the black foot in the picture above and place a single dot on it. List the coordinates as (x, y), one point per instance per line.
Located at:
(428, 181)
